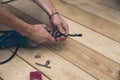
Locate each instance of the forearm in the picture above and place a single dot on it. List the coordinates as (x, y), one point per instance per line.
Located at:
(8, 19)
(46, 5)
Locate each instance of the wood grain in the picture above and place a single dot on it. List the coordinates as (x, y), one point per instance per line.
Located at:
(27, 6)
(115, 4)
(16, 69)
(94, 22)
(89, 60)
(95, 8)
(61, 69)
(95, 41)
(92, 39)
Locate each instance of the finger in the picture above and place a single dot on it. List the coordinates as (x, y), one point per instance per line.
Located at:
(51, 39)
(58, 39)
(49, 28)
(65, 27)
(46, 42)
(62, 38)
(60, 28)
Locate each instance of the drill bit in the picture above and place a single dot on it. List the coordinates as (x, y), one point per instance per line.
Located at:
(57, 34)
(72, 35)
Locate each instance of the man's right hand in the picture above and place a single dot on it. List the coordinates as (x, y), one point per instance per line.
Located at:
(40, 34)
(37, 33)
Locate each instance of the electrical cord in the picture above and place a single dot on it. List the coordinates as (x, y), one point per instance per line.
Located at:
(7, 1)
(11, 57)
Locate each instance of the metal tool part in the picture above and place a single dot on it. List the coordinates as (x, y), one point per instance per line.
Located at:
(47, 63)
(12, 38)
(44, 65)
(57, 34)
(74, 35)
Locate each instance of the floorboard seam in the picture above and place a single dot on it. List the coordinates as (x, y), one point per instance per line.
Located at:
(29, 64)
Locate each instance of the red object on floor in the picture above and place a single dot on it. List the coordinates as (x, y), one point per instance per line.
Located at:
(36, 75)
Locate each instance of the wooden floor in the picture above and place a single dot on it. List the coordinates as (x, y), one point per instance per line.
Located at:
(95, 56)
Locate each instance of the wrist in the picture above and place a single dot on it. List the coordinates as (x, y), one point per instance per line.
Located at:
(53, 14)
(26, 30)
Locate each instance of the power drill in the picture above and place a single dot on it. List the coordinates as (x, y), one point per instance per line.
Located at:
(12, 38)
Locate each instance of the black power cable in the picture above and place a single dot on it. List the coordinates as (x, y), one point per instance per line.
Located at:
(7, 1)
(11, 57)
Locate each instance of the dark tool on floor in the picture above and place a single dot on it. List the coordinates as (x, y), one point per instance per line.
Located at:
(36, 75)
(11, 38)
(44, 65)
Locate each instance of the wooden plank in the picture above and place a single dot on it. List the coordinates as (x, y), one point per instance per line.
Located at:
(20, 15)
(27, 6)
(99, 43)
(94, 22)
(98, 9)
(61, 69)
(95, 41)
(115, 4)
(16, 69)
(99, 24)
(87, 59)
(76, 71)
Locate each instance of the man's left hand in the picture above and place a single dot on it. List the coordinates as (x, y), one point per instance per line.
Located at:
(59, 24)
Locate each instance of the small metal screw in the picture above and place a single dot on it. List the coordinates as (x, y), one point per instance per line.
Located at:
(47, 63)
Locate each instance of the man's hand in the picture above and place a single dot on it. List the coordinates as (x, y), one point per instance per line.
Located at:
(40, 34)
(55, 19)
(59, 24)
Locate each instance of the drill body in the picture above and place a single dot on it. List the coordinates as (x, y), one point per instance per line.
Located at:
(12, 38)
